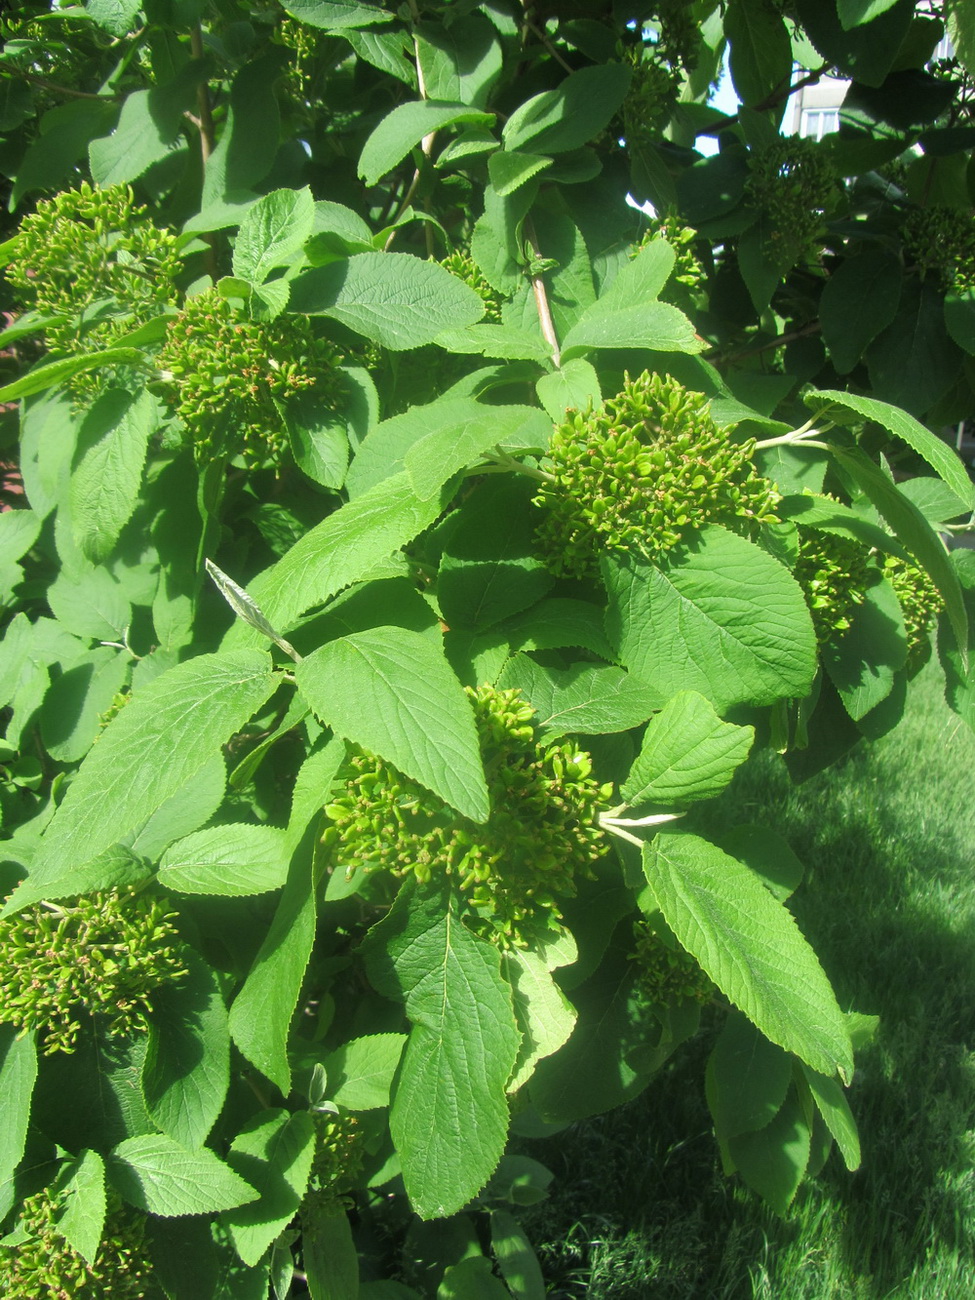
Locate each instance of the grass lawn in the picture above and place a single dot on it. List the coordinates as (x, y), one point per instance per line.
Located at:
(640, 1210)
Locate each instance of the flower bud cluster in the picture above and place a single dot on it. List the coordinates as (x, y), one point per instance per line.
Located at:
(651, 98)
(45, 1267)
(101, 955)
(920, 600)
(688, 273)
(667, 972)
(794, 185)
(461, 264)
(835, 574)
(230, 372)
(941, 241)
(95, 252)
(339, 1153)
(542, 835)
(640, 472)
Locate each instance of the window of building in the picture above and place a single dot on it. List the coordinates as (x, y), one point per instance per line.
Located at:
(817, 122)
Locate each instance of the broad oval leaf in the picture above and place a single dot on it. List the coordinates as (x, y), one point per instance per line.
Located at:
(360, 1073)
(394, 299)
(18, 1071)
(557, 121)
(157, 1175)
(234, 859)
(105, 483)
(747, 1079)
(718, 615)
(591, 699)
(688, 754)
(750, 946)
(274, 1153)
(83, 1217)
(773, 1160)
(449, 1118)
(271, 231)
(654, 325)
(391, 691)
(405, 127)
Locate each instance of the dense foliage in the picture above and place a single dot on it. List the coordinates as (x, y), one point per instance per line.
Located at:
(407, 538)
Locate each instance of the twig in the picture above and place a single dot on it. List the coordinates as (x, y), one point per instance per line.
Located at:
(426, 144)
(203, 121)
(58, 90)
(542, 36)
(772, 100)
(813, 327)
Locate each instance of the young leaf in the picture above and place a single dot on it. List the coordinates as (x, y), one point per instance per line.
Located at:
(718, 615)
(105, 483)
(449, 1118)
(187, 1067)
(750, 946)
(394, 299)
(360, 1072)
(271, 231)
(835, 1110)
(233, 860)
(688, 754)
(391, 691)
(83, 1218)
(274, 1153)
(574, 386)
(149, 751)
(157, 1175)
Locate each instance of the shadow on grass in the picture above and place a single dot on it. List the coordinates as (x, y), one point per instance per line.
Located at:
(640, 1210)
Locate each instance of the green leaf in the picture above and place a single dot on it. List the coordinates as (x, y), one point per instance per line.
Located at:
(773, 1160)
(558, 622)
(90, 603)
(338, 551)
(574, 386)
(391, 691)
(449, 1119)
(835, 1110)
(654, 325)
(761, 50)
(389, 51)
(229, 859)
(336, 15)
(360, 1072)
(588, 699)
(83, 1218)
(942, 458)
(271, 231)
(65, 134)
(18, 1071)
(639, 280)
(112, 444)
(314, 777)
(405, 127)
(914, 362)
(260, 1018)
(507, 342)
(853, 13)
(544, 1015)
(329, 1252)
(273, 1152)
(750, 946)
(518, 1262)
(472, 1279)
(557, 121)
(460, 62)
(435, 458)
(490, 569)
(157, 1175)
(961, 28)
(718, 615)
(73, 706)
(116, 868)
(249, 142)
(55, 373)
(864, 661)
(19, 530)
(767, 854)
(960, 317)
(747, 1079)
(116, 16)
(688, 754)
(392, 298)
(319, 439)
(148, 752)
(192, 805)
(510, 170)
(149, 128)
(187, 1067)
(859, 300)
(865, 53)
(910, 526)
(829, 516)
